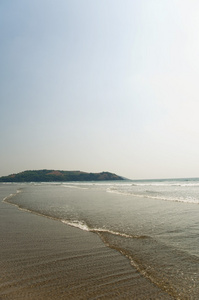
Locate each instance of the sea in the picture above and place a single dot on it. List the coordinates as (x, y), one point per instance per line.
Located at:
(153, 223)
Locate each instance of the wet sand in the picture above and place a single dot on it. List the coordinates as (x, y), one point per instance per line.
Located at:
(41, 258)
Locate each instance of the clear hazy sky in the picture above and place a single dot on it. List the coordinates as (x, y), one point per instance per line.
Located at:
(100, 85)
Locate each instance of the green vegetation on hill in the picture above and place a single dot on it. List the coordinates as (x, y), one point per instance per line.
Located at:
(52, 175)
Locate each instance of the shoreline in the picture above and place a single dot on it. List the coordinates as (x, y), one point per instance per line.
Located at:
(45, 259)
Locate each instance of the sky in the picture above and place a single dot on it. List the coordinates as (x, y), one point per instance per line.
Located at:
(100, 85)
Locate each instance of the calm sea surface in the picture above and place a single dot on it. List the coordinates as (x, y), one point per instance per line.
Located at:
(153, 223)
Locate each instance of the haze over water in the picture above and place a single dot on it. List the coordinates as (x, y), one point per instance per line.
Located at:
(153, 223)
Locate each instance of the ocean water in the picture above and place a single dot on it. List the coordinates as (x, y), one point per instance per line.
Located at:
(154, 223)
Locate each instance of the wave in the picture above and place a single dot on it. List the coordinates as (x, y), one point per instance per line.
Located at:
(186, 183)
(11, 195)
(77, 224)
(74, 223)
(75, 187)
(84, 226)
(150, 195)
(167, 184)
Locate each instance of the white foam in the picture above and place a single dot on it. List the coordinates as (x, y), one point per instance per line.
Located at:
(175, 183)
(8, 197)
(75, 187)
(81, 225)
(112, 232)
(77, 224)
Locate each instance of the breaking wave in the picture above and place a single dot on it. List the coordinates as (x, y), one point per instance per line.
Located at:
(84, 226)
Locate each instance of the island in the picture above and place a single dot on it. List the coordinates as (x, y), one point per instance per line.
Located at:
(58, 176)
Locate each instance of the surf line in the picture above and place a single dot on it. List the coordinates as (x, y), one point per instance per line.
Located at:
(81, 225)
(5, 200)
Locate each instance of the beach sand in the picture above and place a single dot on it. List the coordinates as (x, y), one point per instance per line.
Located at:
(41, 258)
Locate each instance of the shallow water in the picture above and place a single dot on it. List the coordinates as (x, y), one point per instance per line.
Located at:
(155, 224)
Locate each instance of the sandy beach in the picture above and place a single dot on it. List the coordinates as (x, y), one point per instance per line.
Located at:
(41, 258)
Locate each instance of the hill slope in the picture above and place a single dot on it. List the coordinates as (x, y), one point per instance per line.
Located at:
(55, 175)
